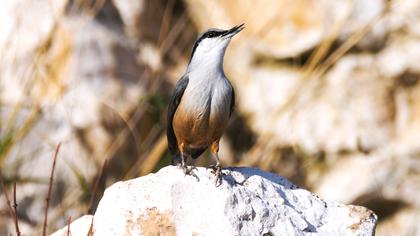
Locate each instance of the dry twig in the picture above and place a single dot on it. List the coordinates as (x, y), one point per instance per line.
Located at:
(15, 210)
(6, 196)
(68, 226)
(90, 231)
(47, 200)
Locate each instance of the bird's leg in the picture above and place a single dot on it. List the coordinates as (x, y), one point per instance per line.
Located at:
(187, 170)
(217, 169)
(182, 160)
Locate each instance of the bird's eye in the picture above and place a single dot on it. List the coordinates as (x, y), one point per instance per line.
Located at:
(211, 35)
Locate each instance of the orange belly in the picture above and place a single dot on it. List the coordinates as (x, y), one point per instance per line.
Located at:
(198, 129)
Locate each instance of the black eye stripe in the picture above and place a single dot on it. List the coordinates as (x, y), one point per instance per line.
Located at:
(208, 34)
(212, 34)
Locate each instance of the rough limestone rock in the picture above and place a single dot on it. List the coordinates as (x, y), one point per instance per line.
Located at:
(248, 202)
(81, 226)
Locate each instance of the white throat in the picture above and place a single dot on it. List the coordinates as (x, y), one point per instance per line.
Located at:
(209, 56)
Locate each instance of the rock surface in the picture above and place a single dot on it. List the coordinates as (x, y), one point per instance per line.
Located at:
(248, 202)
(81, 226)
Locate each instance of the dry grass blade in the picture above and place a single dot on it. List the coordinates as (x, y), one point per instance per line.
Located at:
(173, 34)
(346, 46)
(15, 211)
(154, 156)
(47, 200)
(315, 71)
(68, 226)
(166, 19)
(121, 136)
(350, 42)
(322, 51)
(149, 140)
(129, 124)
(95, 186)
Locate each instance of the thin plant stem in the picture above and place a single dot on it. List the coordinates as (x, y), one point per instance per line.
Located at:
(15, 210)
(95, 186)
(6, 197)
(68, 226)
(47, 199)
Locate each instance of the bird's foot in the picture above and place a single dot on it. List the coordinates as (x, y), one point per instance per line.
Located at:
(217, 171)
(189, 170)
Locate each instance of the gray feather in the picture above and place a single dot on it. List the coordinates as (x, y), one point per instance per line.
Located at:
(180, 87)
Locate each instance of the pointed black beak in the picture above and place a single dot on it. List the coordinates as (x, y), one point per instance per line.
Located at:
(230, 33)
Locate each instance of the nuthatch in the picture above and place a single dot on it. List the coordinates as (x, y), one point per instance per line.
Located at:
(202, 102)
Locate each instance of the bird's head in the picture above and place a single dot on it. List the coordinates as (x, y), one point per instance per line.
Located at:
(211, 45)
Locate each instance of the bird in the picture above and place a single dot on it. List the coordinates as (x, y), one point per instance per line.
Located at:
(202, 102)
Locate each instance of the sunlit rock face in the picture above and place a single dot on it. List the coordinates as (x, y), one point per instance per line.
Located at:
(247, 202)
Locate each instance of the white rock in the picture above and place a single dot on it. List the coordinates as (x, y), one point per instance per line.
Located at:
(80, 226)
(248, 202)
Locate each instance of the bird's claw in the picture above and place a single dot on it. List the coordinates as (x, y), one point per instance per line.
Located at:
(189, 170)
(217, 171)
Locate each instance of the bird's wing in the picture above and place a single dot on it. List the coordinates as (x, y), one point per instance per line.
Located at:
(180, 87)
(232, 100)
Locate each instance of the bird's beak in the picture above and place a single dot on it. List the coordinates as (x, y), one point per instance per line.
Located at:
(230, 33)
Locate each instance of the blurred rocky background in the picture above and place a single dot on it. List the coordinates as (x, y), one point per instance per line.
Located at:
(328, 95)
